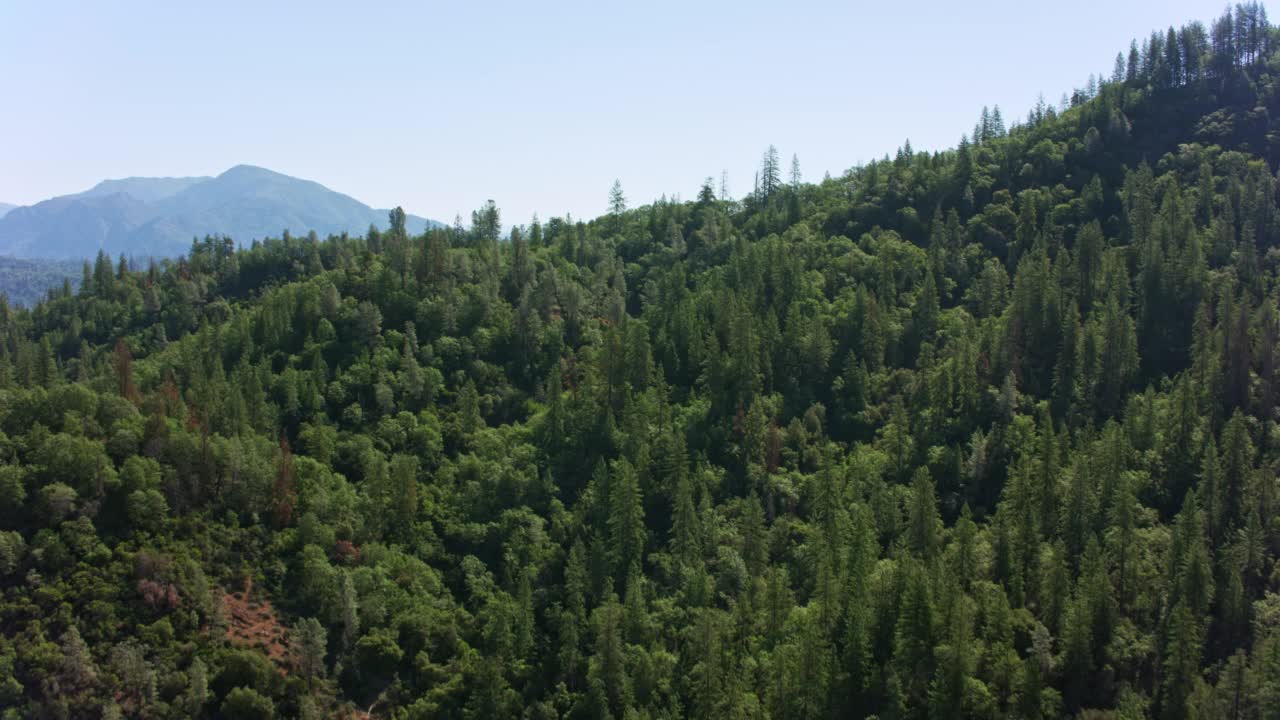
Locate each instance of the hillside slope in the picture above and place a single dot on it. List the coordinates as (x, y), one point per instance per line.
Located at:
(991, 432)
(26, 282)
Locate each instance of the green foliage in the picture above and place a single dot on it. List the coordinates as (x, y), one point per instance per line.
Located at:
(26, 282)
(248, 704)
(990, 432)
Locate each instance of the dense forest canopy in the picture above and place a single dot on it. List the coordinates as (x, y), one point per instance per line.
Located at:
(989, 432)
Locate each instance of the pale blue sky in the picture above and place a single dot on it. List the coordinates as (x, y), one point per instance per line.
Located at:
(439, 106)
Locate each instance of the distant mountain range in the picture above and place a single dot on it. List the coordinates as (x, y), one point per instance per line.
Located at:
(5, 208)
(159, 217)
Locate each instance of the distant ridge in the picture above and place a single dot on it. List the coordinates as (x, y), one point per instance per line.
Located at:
(142, 216)
(5, 208)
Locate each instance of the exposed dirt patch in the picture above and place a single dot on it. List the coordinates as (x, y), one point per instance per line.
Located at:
(253, 623)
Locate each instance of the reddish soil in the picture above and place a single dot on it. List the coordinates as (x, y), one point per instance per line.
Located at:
(253, 623)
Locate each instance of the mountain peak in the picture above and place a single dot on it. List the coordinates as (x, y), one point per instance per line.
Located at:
(251, 170)
(159, 216)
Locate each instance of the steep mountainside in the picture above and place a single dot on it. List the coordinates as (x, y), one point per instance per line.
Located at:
(986, 433)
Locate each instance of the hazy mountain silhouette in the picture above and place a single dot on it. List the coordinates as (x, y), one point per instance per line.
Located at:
(159, 216)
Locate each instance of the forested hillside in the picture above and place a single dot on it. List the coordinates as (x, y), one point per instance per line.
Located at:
(27, 282)
(990, 432)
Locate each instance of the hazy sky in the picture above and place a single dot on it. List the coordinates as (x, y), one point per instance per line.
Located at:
(538, 105)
